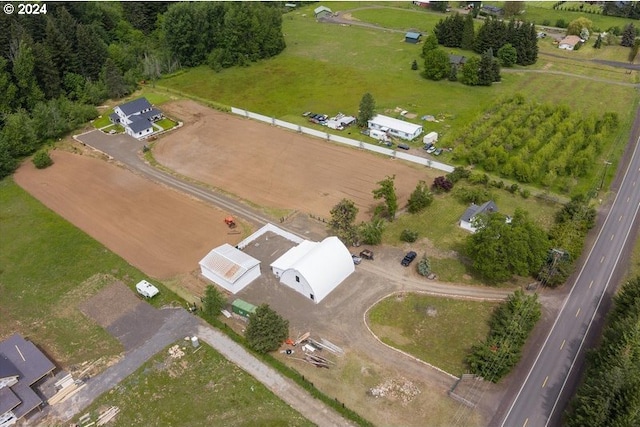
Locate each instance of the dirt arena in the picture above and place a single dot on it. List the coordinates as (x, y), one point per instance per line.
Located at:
(156, 229)
(277, 168)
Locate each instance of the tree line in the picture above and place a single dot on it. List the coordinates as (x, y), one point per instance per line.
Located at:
(54, 67)
(608, 394)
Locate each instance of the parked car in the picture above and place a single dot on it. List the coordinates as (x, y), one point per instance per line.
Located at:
(408, 258)
(366, 254)
(404, 146)
(427, 147)
(356, 259)
(437, 152)
(306, 114)
(431, 149)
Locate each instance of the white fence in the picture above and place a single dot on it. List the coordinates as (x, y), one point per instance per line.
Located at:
(342, 140)
(269, 227)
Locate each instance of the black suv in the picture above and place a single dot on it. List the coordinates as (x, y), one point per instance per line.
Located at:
(408, 258)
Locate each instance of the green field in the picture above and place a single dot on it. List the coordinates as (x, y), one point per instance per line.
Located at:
(200, 388)
(414, 323)
(48, 268)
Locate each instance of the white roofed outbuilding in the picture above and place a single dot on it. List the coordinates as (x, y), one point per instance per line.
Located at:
(314, 269)
(395, 127)
(230, 268)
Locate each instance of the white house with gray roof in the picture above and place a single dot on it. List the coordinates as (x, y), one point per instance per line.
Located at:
(468, 218)
(136, 117)
(395, 127)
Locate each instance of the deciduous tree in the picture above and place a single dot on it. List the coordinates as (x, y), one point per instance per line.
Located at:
(213, 301)
(387, 192)
(507, 55)
(436, 65)
(342, 222)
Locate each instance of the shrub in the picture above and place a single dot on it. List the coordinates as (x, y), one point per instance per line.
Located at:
(409, 236)
(42, 159)
(513, 188)
(371, 232)
(424, 266)
(525, 193)
(458, 174)
(442, 184)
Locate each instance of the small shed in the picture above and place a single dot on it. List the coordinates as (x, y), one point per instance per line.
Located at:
(412, 37)
(430, 138)
(243, 308)
(322, 12)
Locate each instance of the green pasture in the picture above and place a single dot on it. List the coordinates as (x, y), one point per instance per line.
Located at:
(200, 388)
(414, 324)
(535, 13)
(49, 267)
(103, 120)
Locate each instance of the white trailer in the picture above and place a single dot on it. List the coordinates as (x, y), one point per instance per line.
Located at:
(379, 135)
(146, 289)
(430, 138)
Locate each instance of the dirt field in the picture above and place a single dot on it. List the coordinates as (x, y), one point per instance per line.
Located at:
(277, 168)
(134, 217)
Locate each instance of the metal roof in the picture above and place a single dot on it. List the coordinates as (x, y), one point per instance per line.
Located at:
(412, 35)
(391, 123)
(135, 106)
(138, 124)
(228, 262)
(475, 210)
(324, 265)
(27, 358)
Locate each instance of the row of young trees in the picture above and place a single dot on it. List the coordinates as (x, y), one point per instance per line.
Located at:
(86, 52)
(510, 326)
(456, 31)
(535, 143)
(608, 395)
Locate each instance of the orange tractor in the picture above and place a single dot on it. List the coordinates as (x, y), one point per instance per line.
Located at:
(230, 222)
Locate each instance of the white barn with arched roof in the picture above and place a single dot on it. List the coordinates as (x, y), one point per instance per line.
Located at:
(314, 269)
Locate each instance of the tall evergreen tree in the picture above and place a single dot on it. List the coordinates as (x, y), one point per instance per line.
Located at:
(429, 43)
(468, 33)
(59, 48)
(29, 94)
(367, 109)
(485, 70)
(7, 89)
(114, 80)
(92, 52)
(628, 35)
(46, 72)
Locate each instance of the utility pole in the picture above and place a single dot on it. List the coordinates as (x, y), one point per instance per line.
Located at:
(604, 173)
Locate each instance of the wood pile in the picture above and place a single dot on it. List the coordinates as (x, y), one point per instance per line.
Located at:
(107, 415)
(67, 387)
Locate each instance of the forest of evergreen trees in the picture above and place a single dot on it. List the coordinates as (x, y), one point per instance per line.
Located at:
(55, 67)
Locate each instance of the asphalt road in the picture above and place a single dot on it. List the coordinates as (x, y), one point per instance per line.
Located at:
(552, 378)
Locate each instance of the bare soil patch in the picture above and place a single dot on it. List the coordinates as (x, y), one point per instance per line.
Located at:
(274, 167)
(156, 229)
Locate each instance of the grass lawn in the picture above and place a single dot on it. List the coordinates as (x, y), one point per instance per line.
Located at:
(48, 267)
(166, 124)
(103, 120)
(200, 388)
(115, 128)
(414, 323)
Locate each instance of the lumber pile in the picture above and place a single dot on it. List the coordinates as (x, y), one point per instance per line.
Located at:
(67, 387)
(107, 415)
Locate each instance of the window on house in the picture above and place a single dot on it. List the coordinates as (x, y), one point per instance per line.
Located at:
(311, 296)
(298, 279)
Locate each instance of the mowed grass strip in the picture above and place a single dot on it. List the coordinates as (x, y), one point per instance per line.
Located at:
(47, 268)
(198, 388)
(414, 323)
